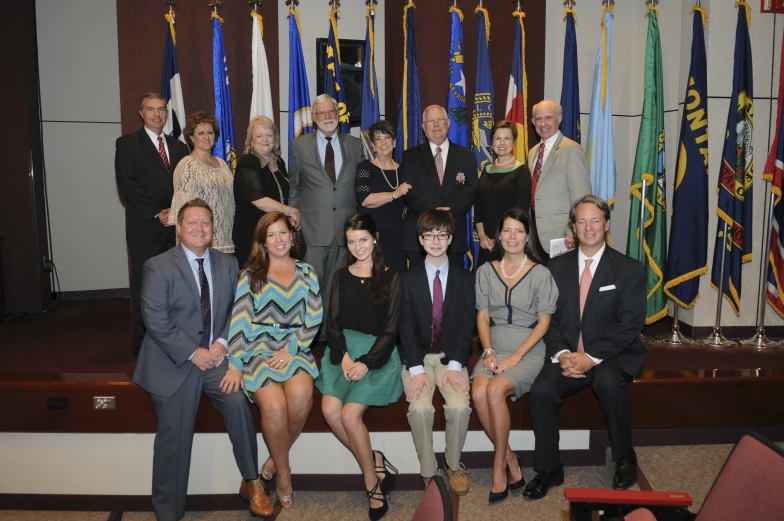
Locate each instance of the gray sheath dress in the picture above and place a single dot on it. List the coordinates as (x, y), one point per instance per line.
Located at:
(513, 315)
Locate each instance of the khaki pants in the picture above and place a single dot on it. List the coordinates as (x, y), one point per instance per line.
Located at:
(421, 413)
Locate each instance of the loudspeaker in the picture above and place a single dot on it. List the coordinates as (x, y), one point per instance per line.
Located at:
(351, 51)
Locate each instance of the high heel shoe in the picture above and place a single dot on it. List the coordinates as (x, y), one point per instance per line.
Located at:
(285, 500)
(388, 470)
(497, 497)
(267, 472)
(374, 514)
(517, 486)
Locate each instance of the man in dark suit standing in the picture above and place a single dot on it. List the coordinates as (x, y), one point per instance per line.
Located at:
(322, 171)
(143, 163)
(187, 296)
(593, 340)
(442, 176)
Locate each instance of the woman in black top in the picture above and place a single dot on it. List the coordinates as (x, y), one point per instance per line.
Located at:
(261, 185)
(361, 366)
(504, 184)
(380, 192)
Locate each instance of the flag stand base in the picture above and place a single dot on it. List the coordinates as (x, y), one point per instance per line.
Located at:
(718, 339)
(675, 337)
(760, 341)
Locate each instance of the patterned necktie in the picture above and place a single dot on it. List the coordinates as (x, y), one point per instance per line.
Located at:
(585, 285)
(438, 312)
(206, 309)
(162, 152)
(329, 161)
(537, 173)
(439, 165)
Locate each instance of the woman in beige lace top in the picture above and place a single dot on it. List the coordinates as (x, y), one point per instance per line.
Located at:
(203, 175)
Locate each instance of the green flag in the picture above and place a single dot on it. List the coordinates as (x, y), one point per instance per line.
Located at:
(649, 167)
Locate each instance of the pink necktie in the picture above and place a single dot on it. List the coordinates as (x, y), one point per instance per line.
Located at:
(439, 165)
(537, 173)
(162, 152)
(585, 285)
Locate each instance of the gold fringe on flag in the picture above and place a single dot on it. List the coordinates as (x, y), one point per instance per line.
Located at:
(606, 10)
(570, 10)
(334, 22)
(257, 16)
(458, 11)
(170, 18)
(479, 9)
(520, 15)
(216, 15)
(293, 13)
(372, 38)
(405, 76)
(704, 15)
(741, 3)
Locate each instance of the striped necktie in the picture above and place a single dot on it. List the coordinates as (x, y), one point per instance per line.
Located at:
(438, 312)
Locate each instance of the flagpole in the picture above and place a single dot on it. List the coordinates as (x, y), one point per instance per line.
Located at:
(717, 338)
(759, 340)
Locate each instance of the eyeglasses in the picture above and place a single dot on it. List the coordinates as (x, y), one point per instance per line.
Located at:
(432, 236)
(330, 112)
(440, 121)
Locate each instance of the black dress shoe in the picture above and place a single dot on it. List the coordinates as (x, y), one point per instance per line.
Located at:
(625, 471)
(537, 488)
(517, 486)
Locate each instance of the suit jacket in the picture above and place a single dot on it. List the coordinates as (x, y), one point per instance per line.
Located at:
(419, 169)
(416, 316)
(323, 207)
(565, 177)
(145, 183)
(612, 318)
(171, 305)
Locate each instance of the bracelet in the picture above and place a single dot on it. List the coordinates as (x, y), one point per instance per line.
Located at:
(392, 197)
(487, 352)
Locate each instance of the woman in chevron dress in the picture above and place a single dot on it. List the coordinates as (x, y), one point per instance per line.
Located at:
(277, 312)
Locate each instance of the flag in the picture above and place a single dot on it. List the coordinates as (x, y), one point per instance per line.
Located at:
(570, 88)
(409, 108)
(649, 162)
(456, 97)
(261, 99)
(333, 77)
(482, 115)
(600, 147)
(370, 112)
(736, 172)
(687, 257)
(774, 174)
(517, 95)
(300, 121)
(224, 145)
(171, 88)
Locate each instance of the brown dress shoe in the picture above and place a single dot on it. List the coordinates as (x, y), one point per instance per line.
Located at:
(458, 481)
(253, 492)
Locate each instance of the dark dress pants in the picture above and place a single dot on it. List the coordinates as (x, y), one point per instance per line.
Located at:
(551, 387)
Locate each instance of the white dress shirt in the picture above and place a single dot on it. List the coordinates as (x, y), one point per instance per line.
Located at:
(444, 150)
(208, 272)
(548, 146)
(154, 138)
(321, 141)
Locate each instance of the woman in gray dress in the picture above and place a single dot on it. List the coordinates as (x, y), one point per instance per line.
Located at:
(515, 298)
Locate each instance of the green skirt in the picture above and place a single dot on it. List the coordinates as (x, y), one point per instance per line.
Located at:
(379, 387)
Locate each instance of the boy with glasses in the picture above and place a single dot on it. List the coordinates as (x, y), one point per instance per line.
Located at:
(436, 332)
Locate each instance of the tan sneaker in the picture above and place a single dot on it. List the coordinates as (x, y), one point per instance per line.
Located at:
(458, 481)
(253, 492)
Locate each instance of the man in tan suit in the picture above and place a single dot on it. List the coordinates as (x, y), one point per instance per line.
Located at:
(560, 176)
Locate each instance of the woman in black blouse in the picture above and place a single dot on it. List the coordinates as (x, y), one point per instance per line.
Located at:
(261, 185)
(380, 192)
(361, 366)
(504, 184)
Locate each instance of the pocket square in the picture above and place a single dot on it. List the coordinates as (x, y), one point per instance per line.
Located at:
(607, 288)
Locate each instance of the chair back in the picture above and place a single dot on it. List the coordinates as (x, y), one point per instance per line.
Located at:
(751, 484)
(436, 504)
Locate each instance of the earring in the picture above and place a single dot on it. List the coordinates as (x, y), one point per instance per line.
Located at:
(374, 241)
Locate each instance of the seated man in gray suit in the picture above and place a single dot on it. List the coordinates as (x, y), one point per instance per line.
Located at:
(322, 171)
(559, 176)
(187, 296)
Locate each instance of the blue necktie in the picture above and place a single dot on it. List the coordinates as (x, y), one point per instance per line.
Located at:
(206, 309)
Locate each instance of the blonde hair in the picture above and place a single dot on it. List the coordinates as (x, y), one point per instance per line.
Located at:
(263, 122)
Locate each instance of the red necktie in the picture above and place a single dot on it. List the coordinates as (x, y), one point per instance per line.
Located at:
(162, 152)
(585, 285)
(438, 312)
(439, 165)
(537, 173)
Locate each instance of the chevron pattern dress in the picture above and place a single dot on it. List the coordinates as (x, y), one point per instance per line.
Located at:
(277, 318)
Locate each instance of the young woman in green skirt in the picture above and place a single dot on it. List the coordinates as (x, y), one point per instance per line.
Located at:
(361, 366)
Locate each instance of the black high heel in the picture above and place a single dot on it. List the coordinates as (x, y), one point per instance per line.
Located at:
(374, 514)
(517, 486)
(388, 470)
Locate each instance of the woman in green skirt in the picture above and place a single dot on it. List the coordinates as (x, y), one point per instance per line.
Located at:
(361, 366)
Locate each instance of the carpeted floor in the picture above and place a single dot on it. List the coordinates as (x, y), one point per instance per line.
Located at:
(684, 468)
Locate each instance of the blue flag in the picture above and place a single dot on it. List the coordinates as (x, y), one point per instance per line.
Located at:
(370, 112)
(333, 77)
(482, 116)
(687, 258)
(300, 121)
(171, 88)
(456, 98)
(409, 109)
(224, 145)
(570, 88)
(600, 147)
(736, 174)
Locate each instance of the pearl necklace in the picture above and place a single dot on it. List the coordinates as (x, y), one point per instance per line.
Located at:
(397, 179)
(504, 164)
(516, 273)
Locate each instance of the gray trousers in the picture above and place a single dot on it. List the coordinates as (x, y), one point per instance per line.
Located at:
(174, 440)
(326, 260)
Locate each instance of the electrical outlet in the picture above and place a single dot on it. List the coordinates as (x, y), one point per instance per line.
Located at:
(104, 403)
(48, 265)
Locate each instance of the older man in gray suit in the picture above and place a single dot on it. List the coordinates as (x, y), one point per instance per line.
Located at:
(187, 296)
(559, 176)
(322, 171)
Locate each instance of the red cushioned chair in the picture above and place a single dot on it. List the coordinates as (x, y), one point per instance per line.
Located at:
(436, 504)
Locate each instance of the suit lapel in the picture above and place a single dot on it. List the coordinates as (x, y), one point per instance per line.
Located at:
(451, 287)
(187, 272)
(430, 162)
(151, 151)
(450, 168)
(550, 159)
(171, 143)
(343, 143)
(603, 273)
(215, 270)
(316, 156)
(423, 287)
(572, 285)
